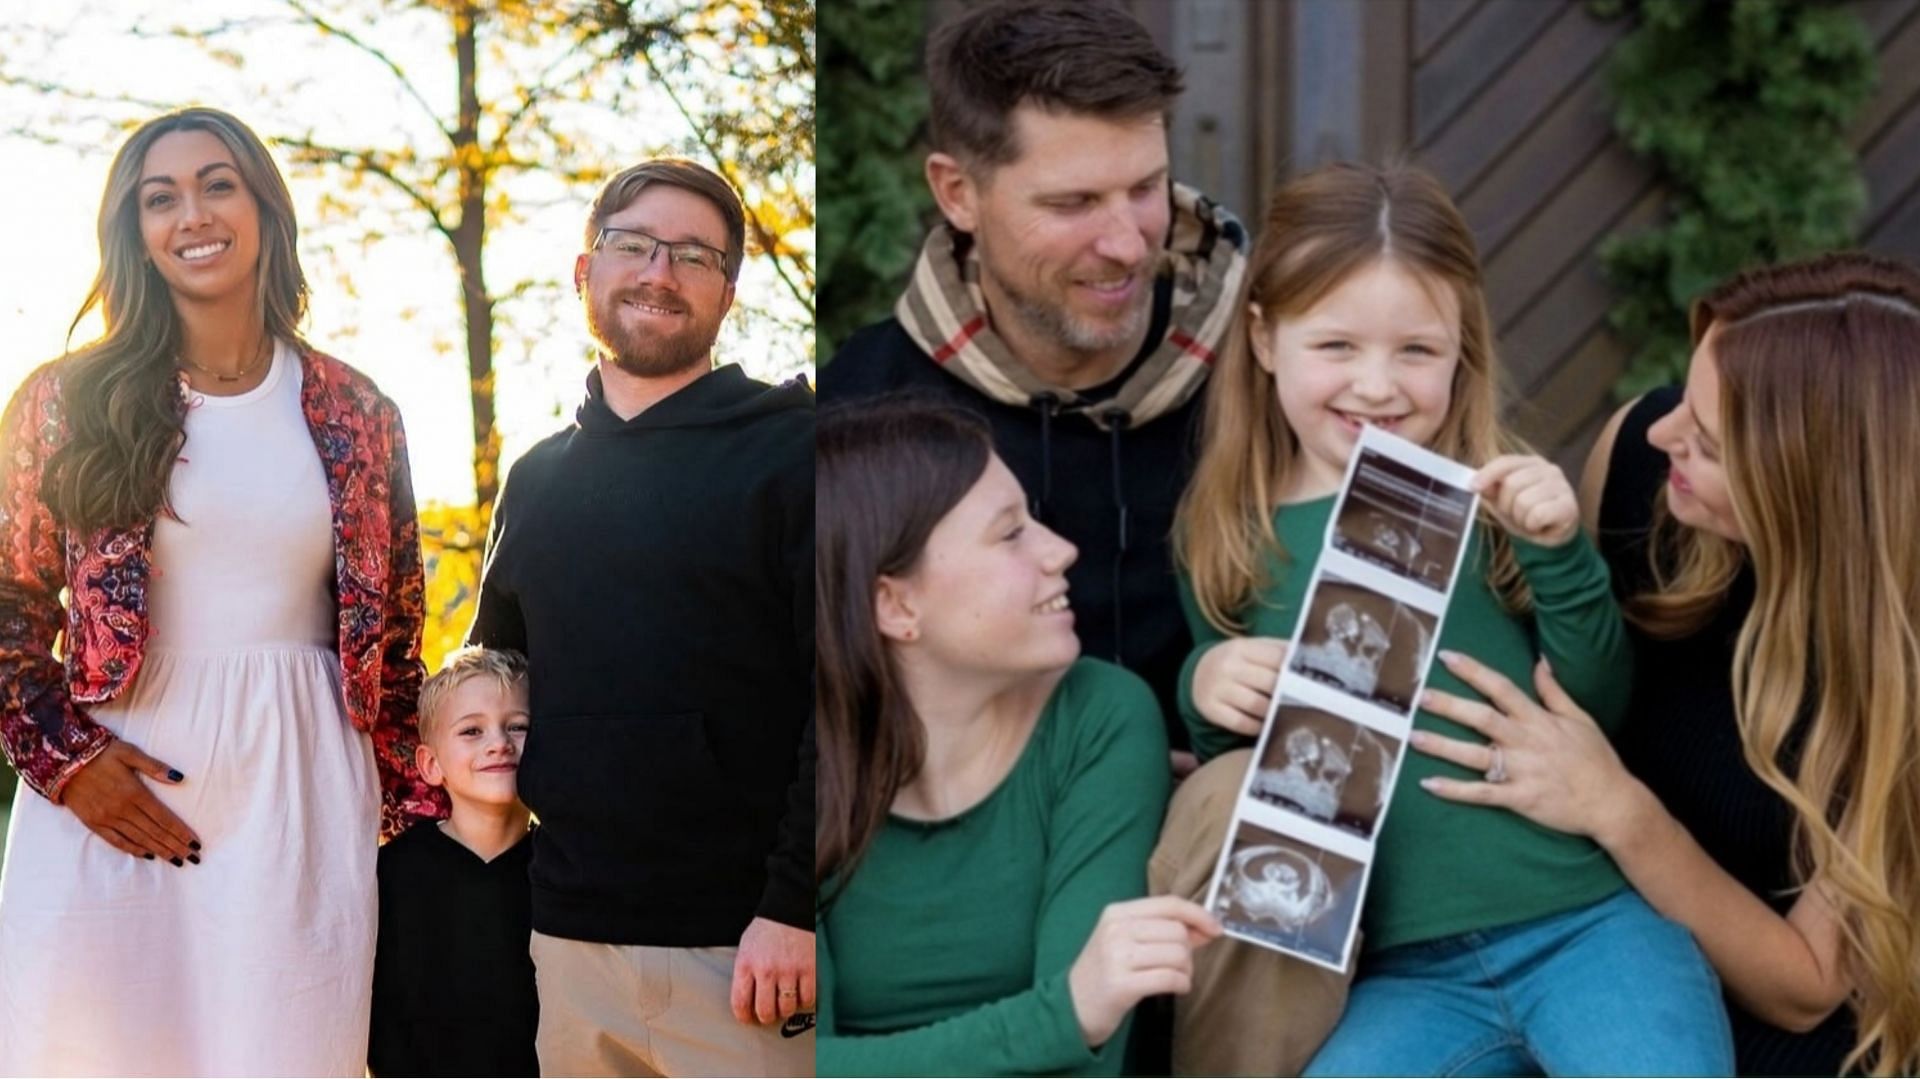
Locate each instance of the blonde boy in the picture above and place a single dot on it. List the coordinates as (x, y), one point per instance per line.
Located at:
(453, 989)
(473, 726)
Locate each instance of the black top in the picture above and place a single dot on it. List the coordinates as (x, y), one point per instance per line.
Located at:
(452, 981)
(658, 574)
(1682, 738)
(1126, 604)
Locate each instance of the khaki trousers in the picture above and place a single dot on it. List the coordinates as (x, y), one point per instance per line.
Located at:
(1252, 1011)
(612, 1009)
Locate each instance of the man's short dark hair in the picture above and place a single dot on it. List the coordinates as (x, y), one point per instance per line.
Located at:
(1075, 56)
(682, 173)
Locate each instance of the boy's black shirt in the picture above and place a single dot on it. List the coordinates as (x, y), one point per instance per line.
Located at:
(658, 574)
(453, 990)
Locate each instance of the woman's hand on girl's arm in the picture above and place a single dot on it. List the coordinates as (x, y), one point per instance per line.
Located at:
(1562, 773)
(1530, 497)
(109, 797)
(1233, 682)
(1139, 948)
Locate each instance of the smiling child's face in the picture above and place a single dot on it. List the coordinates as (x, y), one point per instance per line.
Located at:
(473, 747)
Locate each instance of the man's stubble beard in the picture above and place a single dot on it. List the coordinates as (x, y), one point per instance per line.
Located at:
(1055, 322)
(648, 355)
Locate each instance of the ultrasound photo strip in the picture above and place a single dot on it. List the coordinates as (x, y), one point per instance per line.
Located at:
(1403, 520)
(1324, 767)
(1294, 870)
(1369, 644)
(1289, 895)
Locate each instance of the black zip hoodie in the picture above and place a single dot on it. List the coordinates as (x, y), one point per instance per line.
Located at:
(658, 573)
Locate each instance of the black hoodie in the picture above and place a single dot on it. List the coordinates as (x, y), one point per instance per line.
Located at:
(658, 573)
(1104, 465)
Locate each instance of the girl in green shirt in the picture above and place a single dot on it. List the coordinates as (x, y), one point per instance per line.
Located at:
(1491, 946)
(987, 799)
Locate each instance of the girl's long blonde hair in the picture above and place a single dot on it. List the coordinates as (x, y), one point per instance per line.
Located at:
(1820, 407)
(1320, 229)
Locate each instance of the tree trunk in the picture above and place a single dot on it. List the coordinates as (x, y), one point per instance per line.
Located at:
(469, 241)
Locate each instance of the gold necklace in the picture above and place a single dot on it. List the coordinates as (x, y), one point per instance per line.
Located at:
(265, 351)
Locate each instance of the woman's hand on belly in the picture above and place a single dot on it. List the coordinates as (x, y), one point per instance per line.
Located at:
(1789, 971)
(111, 799)
(1559, 769)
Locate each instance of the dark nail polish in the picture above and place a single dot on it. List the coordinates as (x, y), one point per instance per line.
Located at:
(195, 844)
(175, 775)
(194, 858)
(178, 862)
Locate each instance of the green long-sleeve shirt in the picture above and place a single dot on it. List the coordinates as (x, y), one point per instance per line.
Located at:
(1443, 868)
(947, 952)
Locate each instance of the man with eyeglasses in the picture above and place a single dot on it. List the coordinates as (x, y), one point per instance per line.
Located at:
(655, 563)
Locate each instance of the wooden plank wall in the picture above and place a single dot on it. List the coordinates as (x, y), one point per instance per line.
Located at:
(1887, 135)
(1506, 102)
(1508, 107)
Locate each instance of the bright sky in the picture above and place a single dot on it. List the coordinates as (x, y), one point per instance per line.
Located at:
(400, 320)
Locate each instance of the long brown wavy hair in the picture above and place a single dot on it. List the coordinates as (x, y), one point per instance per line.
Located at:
(121, 395)
(1820, 408)
(885, 473)
(1319, 230)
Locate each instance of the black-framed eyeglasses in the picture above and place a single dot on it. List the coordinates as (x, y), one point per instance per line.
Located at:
(636, 248)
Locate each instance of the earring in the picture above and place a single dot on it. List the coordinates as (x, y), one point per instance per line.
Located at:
(911, 633)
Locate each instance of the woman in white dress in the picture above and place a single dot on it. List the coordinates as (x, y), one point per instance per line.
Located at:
(225, 727)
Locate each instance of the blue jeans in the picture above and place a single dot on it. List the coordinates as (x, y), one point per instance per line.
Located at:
(1608, 989)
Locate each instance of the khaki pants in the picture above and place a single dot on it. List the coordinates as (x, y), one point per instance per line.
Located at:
(1252, 1011)
(611, 1009)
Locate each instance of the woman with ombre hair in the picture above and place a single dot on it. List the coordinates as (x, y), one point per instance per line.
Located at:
(215, 521)
(1764, 534)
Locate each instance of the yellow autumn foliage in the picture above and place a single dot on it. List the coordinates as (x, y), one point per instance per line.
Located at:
(452, 540)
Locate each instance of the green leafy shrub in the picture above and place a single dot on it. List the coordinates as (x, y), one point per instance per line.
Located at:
(872, 109)
(1743, 108)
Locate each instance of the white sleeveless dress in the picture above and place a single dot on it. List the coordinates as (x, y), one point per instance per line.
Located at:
(259, 960)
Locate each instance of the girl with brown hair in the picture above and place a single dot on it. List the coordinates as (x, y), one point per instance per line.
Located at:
(986, 797)
(1762, 529)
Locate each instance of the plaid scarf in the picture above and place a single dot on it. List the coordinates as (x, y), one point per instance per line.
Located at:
(944, 312)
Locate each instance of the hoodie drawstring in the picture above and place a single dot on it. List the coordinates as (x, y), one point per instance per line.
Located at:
(1049, 406)
(1117, 419)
